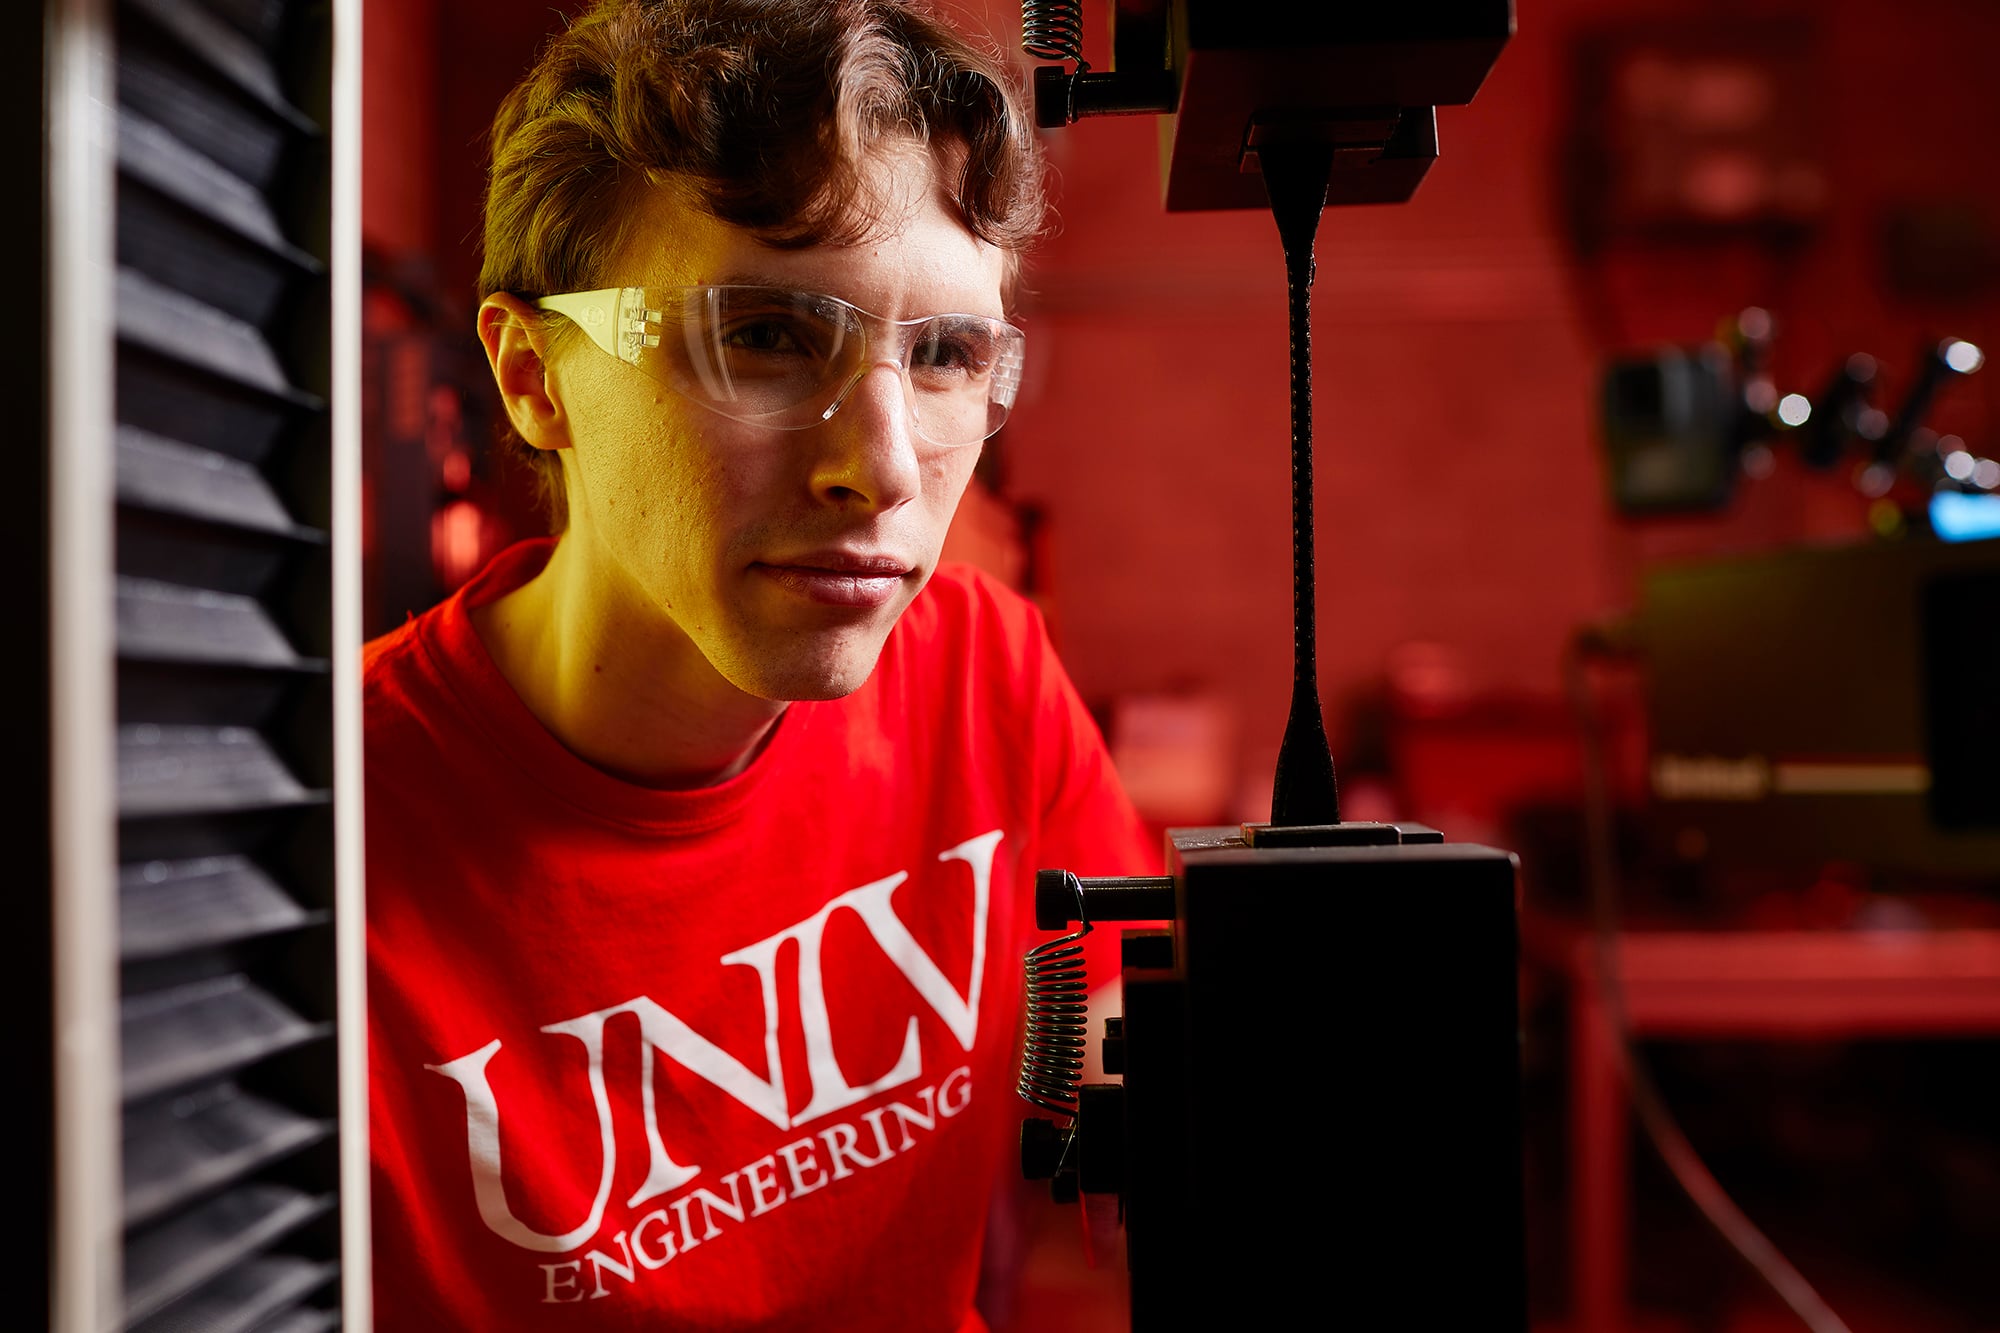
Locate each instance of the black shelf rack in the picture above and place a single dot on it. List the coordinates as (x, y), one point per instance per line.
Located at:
(198, 951)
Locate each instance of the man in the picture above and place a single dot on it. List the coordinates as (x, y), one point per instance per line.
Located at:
(700, 835)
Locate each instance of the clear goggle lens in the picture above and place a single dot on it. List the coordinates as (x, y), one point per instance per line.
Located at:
(787, 360)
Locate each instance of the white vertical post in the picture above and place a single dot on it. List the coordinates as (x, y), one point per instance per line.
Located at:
(87, 1294)
(350, 921)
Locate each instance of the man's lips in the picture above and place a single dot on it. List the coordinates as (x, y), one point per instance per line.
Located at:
(839, 578)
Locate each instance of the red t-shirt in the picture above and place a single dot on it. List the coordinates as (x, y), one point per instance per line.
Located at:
(742, 1056)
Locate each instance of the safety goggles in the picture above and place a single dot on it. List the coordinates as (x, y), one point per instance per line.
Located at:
(788, 360)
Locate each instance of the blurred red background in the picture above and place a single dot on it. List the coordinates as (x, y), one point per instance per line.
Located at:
(1140, 490)
(1457, 345)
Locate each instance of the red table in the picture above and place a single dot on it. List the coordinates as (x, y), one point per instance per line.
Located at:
(1734, 985)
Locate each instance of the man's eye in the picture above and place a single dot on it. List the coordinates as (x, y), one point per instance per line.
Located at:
(966, 349)
(766, 335)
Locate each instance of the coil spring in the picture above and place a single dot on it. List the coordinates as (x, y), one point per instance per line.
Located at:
(1053, 30)
(1052, 1054)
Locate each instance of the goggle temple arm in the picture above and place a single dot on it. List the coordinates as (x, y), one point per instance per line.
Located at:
(616, 318)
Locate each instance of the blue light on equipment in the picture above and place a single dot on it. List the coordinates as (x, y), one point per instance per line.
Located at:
(1959, 517)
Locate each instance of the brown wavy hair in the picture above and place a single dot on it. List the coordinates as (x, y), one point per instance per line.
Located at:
(768, 109)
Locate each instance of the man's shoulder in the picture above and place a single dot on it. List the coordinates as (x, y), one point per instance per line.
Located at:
(388, 661)
(398, 682)
(390, 652)
(434, 656)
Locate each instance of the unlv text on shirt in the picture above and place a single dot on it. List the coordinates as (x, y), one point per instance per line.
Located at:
(752, 1190)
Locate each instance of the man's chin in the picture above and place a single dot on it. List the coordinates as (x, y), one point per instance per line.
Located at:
(818, 678)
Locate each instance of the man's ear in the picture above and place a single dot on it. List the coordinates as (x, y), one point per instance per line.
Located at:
(516, 343)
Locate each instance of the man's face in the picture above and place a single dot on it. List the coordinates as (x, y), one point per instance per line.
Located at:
(781, 557)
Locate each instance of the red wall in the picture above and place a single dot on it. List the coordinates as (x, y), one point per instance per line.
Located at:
(1457, 347)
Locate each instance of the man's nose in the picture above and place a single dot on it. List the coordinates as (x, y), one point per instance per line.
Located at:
(869, 450)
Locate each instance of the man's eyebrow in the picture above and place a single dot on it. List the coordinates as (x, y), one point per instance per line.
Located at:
(755, 280)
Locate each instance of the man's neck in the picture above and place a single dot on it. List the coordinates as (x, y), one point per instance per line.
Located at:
(619, 684)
